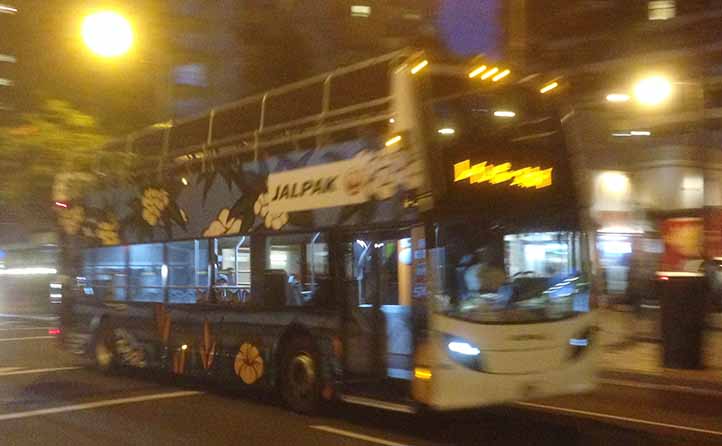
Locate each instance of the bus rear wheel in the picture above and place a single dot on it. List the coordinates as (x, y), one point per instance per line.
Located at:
(300, 378)
(104, 354)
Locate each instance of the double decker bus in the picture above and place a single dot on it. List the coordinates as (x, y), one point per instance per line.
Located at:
(393, 234)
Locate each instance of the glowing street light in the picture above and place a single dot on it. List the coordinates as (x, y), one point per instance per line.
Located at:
(652, 90)
(107, 34)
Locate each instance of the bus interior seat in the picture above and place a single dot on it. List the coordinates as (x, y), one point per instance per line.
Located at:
(277, 292)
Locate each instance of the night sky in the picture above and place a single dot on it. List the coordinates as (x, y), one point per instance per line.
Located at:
(471, 26)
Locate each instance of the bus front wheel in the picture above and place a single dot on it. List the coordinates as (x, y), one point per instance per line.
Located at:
(300, 379)
(104, 350)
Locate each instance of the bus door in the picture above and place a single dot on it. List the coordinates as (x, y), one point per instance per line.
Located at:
(377, 287)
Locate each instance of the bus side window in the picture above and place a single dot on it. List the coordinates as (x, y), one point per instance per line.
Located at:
(105, 270)
(187, 270)
(146, 272)
(303, 261)
(233, 271)
(379, 268)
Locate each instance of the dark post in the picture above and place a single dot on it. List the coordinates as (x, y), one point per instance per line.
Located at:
(683, 301)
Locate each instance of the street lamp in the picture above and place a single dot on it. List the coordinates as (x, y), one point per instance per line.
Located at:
(107, 34)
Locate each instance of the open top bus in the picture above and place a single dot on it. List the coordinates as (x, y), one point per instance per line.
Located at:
(392, 233)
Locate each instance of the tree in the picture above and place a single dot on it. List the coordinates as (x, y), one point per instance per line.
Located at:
(56, 138)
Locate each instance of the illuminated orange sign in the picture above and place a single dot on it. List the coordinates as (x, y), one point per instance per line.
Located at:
(526, 177)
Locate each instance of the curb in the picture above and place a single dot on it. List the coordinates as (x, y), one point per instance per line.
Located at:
(701, 384)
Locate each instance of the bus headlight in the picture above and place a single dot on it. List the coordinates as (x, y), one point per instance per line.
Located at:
(464, 352)
(463, 348)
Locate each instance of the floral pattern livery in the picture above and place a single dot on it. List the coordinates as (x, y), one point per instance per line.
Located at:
(270, 220)
(107, 232)
(388, 172)
(163, 322)
(154, 202)
(179, 361)
(208, 346)
(249, 363)
(224, 224)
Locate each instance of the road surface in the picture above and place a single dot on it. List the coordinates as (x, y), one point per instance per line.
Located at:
(48, 397)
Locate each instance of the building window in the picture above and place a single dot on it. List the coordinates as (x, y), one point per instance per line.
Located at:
(360, 10)
(194, 74)
(661, 9)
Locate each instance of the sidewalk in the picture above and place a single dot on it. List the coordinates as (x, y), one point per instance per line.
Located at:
(633, 351)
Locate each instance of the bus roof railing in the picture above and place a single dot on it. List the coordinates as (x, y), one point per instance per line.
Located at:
(258, 122)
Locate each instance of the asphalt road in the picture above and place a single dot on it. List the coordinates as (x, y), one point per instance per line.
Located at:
(50, 398)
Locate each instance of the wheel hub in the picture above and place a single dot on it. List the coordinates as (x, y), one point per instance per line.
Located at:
(302, 373)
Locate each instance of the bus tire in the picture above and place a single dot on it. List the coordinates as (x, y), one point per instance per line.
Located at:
(105, 358)
(300, 383)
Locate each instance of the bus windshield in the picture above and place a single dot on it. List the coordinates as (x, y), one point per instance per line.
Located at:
(499, 277)
(509, 245)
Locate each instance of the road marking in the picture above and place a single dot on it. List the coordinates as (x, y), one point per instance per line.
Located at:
(369, 402)
(25, 328)
(618, 418)
(355, 435)
(664, 387)
(28, 317)
(29, 338)
(96, 404)
(21, 371)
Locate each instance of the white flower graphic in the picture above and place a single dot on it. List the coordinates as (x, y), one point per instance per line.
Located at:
(260, 207)
(154, 202)
(223, 224)
(388, 172)
(107, 232)
(383, 182)
(270, 219)
(71, 219)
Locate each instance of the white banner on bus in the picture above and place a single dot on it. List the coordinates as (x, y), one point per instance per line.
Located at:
(370, 175)
(339, 183)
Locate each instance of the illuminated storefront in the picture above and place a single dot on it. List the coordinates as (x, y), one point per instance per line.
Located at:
(654, 198)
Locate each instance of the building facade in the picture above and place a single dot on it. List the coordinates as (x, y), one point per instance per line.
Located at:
(652, 171)
(8, 60)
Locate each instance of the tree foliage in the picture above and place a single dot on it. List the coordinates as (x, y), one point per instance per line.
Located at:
(56, 138)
